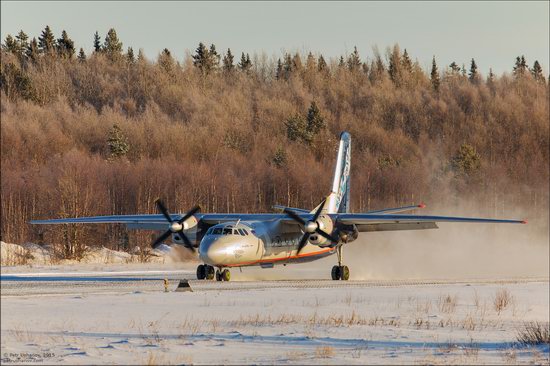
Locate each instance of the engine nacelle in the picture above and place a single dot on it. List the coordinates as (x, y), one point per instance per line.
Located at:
(325, 224)
(190, 228)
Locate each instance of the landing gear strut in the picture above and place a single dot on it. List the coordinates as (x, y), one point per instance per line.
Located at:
(205, 272)
(340, 272)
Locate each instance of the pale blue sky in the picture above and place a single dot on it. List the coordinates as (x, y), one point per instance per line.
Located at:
(493, 33)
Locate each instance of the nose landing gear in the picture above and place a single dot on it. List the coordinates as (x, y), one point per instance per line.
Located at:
(340, 272)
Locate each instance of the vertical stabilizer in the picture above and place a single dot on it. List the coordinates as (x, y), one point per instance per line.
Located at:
(339, 199)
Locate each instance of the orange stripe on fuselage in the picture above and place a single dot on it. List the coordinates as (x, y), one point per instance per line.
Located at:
(278, 259)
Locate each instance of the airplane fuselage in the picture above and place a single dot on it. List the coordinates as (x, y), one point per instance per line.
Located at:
(251, 243)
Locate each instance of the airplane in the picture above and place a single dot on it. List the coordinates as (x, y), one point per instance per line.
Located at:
(295, 235)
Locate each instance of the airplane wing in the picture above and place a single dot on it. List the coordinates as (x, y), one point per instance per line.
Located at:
(387, 222)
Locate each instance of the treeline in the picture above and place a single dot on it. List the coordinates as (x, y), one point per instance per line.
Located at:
(110, 131)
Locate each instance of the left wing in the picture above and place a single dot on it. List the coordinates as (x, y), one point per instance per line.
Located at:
(387, 222)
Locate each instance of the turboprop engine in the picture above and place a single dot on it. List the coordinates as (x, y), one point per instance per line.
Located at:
(325, 224)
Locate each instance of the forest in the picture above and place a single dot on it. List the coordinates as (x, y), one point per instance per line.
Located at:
(109, 131)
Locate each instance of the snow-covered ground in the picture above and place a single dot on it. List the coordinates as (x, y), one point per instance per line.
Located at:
(445, 323)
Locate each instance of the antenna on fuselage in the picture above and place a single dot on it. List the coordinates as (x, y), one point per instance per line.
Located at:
(237, 224)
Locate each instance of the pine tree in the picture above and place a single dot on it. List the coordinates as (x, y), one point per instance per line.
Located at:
(315, 123)
(279, 72)
(112, 46)
(10, 45)
(46, 41)
(22, 44)
(245, 64)
(311, 64)
(141, 56)
(287, 66)
(213, 57)
(473, 75)
(228, 65)
(130, 58)
(491, 76)
(536, 71)
(297, 62)
(81, 55)
(406, 63)
(394, 68)
(463, 70)
(65, 46)
(117, 143)
(455, 69)
(165, 60)
(32, 52)
(200, 58)
(321, 64)
(97, 42)
(354, 61)
(341, 63)
(434, 75)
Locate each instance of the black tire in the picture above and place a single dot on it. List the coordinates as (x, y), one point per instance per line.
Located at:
(218, 275)
(226, 275)
(210, 273)
(201, 272)
(344, 273)
(335, 273)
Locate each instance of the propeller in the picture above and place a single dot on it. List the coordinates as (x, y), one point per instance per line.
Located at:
(310, 226)
(176, 226)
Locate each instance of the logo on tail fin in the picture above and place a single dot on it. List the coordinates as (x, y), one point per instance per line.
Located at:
(340, 197)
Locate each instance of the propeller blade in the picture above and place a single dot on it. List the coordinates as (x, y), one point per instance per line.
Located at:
(187, 242)
(294, 216)
(189, 213)
(163, 210)
(319, 210)
(326, 235)
(303, 242)
(161, 238)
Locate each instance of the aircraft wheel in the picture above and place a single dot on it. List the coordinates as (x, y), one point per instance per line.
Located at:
(335, 273)
(226, 275)
(210, 273)
(344, 273)
(201, 272)
(218, 275)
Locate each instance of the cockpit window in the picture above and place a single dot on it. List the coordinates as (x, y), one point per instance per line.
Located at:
(227, 231)
(217, 231)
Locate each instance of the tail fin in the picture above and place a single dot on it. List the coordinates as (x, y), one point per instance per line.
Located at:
(339, 198)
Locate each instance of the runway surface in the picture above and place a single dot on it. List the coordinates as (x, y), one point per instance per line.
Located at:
(29, 284)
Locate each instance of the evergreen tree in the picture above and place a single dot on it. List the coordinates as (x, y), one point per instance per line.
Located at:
(297, 62)
(65, 46)
(536, 71)
(287, 66)
(315, 123)
(491, 76)
(112, 46)
(322, 64)
(311, 64)
(130, 58)
(279, 72)
(200, 58)
(22, 44)
(296, 129)
(463, 70)
(10, 45)
(165, 60)
(46, 41)
(141, 56)
(228, 65)
(81, 55)
(406, 63)
(213, 57)
(473, 76)
(394, 68)
(341, 63)
(32, 51)
(354, 61)
(117, 143)
(466, 161)
(97, 42)
(245, 64)
(455, 69)
(434, 75)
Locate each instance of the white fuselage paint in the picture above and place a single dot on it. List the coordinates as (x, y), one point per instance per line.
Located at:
(265, 242)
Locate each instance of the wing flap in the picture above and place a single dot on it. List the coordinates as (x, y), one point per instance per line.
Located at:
(365, 219)
(418, 225)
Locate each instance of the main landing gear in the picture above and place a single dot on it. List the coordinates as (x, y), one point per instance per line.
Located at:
(206, 272)
(340, 272)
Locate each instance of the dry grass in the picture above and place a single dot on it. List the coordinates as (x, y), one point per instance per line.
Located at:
(502, 300)
(534, 333)
(447, 304)
(324, 352)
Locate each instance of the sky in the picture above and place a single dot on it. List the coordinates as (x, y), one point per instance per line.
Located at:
(492, 32)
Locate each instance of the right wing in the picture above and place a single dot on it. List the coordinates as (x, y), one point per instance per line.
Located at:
(396, 209)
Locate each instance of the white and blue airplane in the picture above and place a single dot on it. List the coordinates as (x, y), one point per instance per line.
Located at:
(226, 240)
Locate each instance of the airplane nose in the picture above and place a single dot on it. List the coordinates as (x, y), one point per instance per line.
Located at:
(213, 253)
